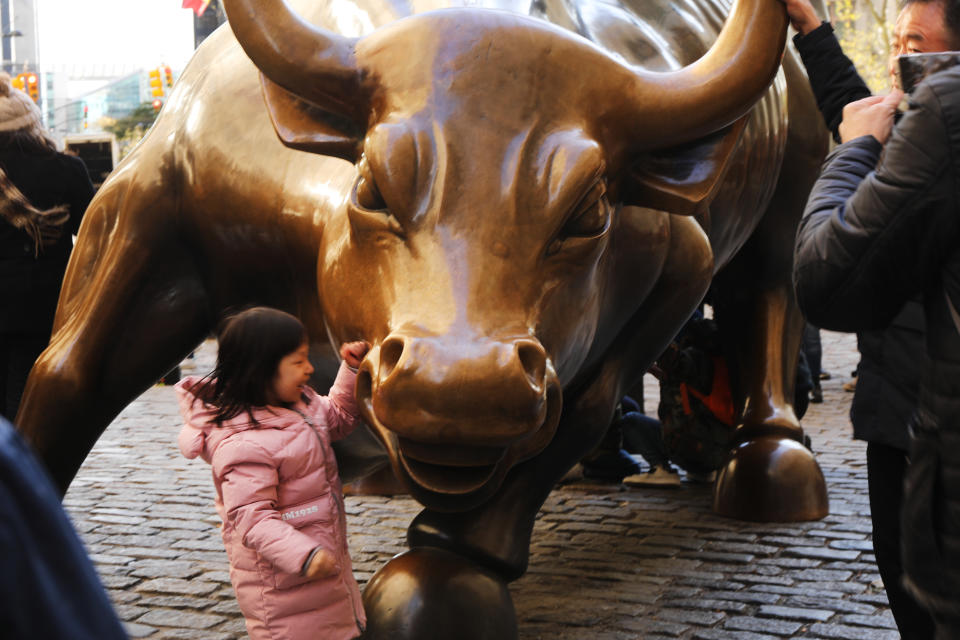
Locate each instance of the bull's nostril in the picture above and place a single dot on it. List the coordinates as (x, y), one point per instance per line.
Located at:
(533, 360)
(364, 385)
(390, 352)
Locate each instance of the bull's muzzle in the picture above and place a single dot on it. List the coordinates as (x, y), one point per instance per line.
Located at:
(456, 414)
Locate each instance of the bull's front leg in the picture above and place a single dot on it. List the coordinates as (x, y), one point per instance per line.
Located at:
(770, 476)
(453, 580)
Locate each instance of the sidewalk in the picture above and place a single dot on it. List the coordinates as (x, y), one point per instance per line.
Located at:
(606, 563)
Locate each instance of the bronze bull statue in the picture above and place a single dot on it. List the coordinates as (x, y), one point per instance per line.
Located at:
(517, 210)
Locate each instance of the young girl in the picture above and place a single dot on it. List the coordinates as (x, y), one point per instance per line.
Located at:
(267, 436)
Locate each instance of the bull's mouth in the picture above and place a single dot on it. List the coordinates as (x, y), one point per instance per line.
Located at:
(453, 469)
(456, 477)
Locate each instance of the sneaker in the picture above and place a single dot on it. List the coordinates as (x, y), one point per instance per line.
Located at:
(656, 477)
(851, 386)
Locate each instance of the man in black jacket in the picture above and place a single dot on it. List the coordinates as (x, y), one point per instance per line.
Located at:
(894, 358)
(876, 232)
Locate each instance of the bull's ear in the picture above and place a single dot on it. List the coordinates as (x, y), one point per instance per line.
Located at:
(682, 179)
(303, 125)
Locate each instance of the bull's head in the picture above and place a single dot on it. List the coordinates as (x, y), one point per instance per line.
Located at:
(493, 153)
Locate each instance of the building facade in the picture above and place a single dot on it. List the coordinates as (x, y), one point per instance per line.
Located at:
(18, 36)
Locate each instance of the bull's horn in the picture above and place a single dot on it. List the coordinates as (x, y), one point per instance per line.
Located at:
(678, 106)
(313, 63)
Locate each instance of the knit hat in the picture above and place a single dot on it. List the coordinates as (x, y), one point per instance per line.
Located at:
(17, 110)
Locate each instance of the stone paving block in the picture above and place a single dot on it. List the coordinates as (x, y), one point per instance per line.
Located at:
(702, 618)
(795, 613)
(177, 586)
(179, 618)
(164, 568)
(718, 634)
(117, 582)
(192, 634)
(882, 621)
(129, 612)
(177, 602)
(711, 604)
(762, 625)
(845, 632)
(827, 553)
(646, 626)
(135, 630)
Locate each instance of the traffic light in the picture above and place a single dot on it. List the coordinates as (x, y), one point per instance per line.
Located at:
(156, 84)
(157, 103)
(33, 86)
(29, 83)
(168, 76)
(86, 110)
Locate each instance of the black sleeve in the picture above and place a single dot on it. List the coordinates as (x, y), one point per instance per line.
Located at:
(833, 78)
(869, 240)
(80, 190)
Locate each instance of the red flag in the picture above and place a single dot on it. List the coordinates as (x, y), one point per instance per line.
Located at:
(198, 6)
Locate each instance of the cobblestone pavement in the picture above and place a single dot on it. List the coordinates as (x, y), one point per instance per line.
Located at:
(607, 562)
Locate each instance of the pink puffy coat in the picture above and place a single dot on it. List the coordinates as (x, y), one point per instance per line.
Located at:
(279, 494)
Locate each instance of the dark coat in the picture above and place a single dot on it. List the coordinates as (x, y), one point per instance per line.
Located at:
(893, 359)
(48, 587)
(876, 232)
(30, 286)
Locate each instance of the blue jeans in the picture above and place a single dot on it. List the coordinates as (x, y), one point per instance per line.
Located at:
(644, 435)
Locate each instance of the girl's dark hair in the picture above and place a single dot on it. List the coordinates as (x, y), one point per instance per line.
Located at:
(27, 140)
(251, 345)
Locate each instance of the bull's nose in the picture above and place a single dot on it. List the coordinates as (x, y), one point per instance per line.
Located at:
(533, 360)
(455, 389)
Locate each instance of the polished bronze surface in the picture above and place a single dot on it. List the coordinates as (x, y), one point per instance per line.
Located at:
(517, 208)
(432, 594)
(771, 479)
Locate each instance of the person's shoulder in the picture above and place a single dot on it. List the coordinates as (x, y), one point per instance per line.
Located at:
(72, 164)
(942, 86)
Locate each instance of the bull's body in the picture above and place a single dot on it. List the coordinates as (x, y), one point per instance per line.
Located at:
(212, 211)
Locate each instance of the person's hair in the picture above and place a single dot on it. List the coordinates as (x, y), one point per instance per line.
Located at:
(951, 17)
(27, 140)
(251, 345)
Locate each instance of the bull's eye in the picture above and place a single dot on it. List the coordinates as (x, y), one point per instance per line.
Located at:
(590, 219)
(367, 209)
(366, 193)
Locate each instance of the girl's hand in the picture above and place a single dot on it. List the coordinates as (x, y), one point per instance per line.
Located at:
(322, 565)
(353, 352)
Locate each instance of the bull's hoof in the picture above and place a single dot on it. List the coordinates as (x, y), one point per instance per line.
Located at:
(428, 593)
(771, 479)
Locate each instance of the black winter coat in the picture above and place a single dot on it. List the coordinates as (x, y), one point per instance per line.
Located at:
(30, 286)
(892, 359)
(877, 231)
(833, 78)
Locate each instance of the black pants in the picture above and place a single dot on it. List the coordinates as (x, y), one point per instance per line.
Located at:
(886, 466)
(812, 351)
(18, 351)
